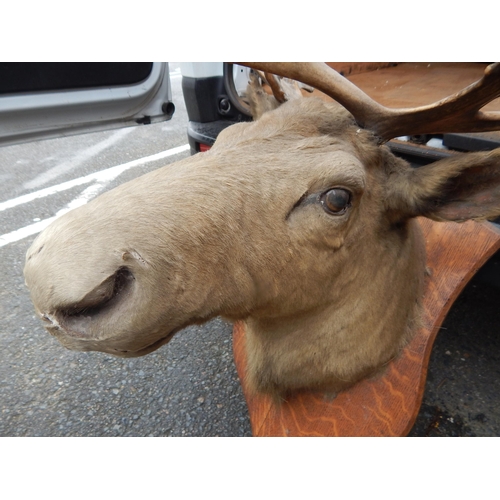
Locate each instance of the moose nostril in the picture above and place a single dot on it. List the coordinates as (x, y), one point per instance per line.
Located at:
(103, 293)
(76, 319)
(99, 299)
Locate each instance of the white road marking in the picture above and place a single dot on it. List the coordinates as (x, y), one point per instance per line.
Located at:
(35, 228)
(86, 195)
(103, 178)
(24, 232)
(81, 157)
(111, 172)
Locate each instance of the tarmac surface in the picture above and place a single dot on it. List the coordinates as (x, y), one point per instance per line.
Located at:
(190, 386)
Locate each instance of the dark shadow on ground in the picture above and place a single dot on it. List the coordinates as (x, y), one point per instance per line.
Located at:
(462, 394)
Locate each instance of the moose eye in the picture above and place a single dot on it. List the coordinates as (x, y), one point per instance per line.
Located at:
(336, 201)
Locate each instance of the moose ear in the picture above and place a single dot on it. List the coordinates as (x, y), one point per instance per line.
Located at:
(462, 187)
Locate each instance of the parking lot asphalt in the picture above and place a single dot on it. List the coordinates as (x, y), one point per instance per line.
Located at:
(190, 386)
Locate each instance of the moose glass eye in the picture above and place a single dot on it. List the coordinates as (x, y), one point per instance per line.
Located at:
(336, 201)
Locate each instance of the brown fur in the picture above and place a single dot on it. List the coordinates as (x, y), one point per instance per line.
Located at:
(240, 232)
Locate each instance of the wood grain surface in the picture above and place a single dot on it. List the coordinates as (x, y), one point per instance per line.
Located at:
(408, 85)
(388, 404)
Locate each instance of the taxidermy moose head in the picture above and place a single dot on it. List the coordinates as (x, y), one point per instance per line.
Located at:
(301, 223)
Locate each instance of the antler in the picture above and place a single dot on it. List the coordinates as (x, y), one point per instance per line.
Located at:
(275, 87)
(457, 113)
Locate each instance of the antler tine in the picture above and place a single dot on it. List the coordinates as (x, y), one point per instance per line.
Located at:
(327, 80)
(275, 87)
(460, 112)
(457, 113)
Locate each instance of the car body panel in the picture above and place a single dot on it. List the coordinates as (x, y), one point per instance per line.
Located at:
(26, 116)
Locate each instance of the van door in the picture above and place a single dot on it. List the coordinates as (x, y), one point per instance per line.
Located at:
(45, 100)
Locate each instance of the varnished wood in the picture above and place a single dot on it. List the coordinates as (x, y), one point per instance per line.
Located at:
(410, 85)
(388, 404)
(462, 111)
(355, 68)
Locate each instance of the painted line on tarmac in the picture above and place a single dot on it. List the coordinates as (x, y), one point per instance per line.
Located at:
(73, 163)
(95, 176)
(19, 234)
(100, 180)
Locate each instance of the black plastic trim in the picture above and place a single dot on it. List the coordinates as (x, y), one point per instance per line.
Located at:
(207, 100)
(472, 142)
(205, 133)
(417, 155)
